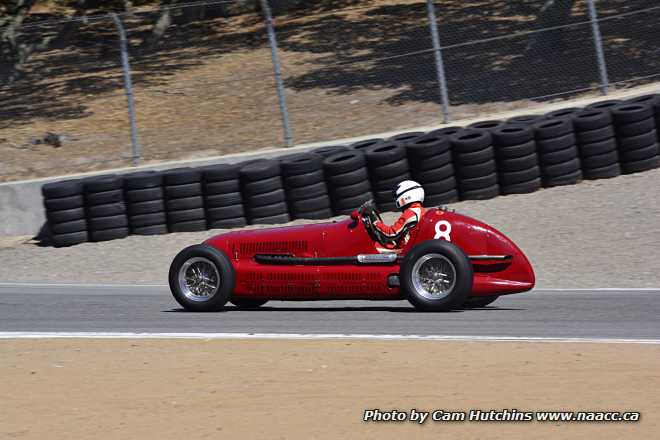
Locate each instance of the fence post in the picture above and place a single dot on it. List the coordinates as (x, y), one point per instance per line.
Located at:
(439, 64)
(128, 85)
(598, 43)
(288, 138)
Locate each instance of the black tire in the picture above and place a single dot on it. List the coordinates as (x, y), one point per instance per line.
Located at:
(266, 211)
(636, 142)
(330, 150)
(259, 170)
(65, 215)
(438, 187)
(384, 154)
(65, 188)
(636, 128)
(144, 220)
(389, 183)
(513, 151)
(475, 183)
(462, 269)
(560, 156)
(600, 147)
(225, 212)
(68, 227)
(434, 175)
(108, 234)
(107, 210)
(477, 302)
(277, 196)
(247, 303)
(486, 125)
(447, 131)
(563, 113)
(314, 215)
(407, 137)
(222, 187)
(641, 165)
(552, 128)
(627, 113)
(481, 193)
(105, 197)
(315, 190)
(250, 189)
(188, 226)
(183, 190)
(220, 200)
(470, 141)
(429, 163)
(602, 173)
(180, 176)
(651, 99)
(342, 192)
(474, 157)
(600, 160)
(145, 195)
(598, 134)
(522, 187)
(185, 215)
(311, 204)
(271, 220)
(302, 180)
(591, 119)
(301, 164)
(639, 154)
(365, 144)
(561, 169)
(349, 178)
(427, 146)
(477, 170)
(347, 205)
(147, 179)
(442, 198)
(518, 163)
(109, 222)
(148, 207)
(605, 105)
(150, 230)
(102, 183)
(64, 203)
(227, 277)
(389, 170)
(512, 135)
(525, 120)
(73, 238)
(566, 179)
(220, 173)
(227, 223)
(184, 203)
(516, 177)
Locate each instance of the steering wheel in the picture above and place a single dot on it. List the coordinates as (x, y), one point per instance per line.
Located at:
(367, 212)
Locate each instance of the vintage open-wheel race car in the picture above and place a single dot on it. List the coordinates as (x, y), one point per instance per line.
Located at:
(447, 261)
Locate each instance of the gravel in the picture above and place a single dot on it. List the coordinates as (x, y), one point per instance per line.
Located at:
(595, 234)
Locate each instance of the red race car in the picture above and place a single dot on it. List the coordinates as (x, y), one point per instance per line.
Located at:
(447, 261)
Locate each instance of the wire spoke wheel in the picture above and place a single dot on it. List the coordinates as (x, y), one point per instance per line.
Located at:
(434, 276)
(199, 279)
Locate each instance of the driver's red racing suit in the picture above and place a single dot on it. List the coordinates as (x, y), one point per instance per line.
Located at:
(409, 218)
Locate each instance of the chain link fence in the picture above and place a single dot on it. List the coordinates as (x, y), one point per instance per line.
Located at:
(214, 82)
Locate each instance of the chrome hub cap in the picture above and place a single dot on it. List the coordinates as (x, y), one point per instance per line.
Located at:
(199, 279)
(434, 276)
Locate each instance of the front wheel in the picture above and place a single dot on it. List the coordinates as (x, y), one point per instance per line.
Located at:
(436, 276)
(201, 278)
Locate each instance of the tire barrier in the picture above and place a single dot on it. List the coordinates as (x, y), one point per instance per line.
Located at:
(474, 162)
(184, 203)
(263, 192)
(223, 201)
(305, 187)
(387, 165)
(637, 137)
(518, 170)
(486, 159)
(431, 164)
(596, 143)
(348, 181)
(65, 212)
(105, 208)
(557, 150)
(145, 203)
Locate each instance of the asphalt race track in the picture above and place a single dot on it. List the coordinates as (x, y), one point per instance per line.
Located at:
(618, 314)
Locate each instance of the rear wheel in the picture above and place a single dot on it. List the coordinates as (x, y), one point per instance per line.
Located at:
(248, 303)
(201, 278)
(476, 302)
(436, 276)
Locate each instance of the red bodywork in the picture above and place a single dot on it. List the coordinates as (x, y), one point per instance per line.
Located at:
(349, 238)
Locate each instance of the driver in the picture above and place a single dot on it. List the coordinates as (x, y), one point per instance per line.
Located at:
(409, 196)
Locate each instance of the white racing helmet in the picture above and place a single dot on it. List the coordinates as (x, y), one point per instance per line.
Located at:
(408, 192)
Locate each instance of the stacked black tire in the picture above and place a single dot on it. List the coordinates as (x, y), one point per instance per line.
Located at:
(387, 165)
(184, 203)
(366, 144)
(558, 153)
(263, 192)
(65, 212)
(222, 197)
(517, 161)
(348, 181)
(637, 137)
(145, 203)
(431, 165)
(474, 163)
(525, 120)
(105, 208)
(596, 144)
(306, 190)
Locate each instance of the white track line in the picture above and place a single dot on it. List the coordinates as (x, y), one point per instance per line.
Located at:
(310, 336)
